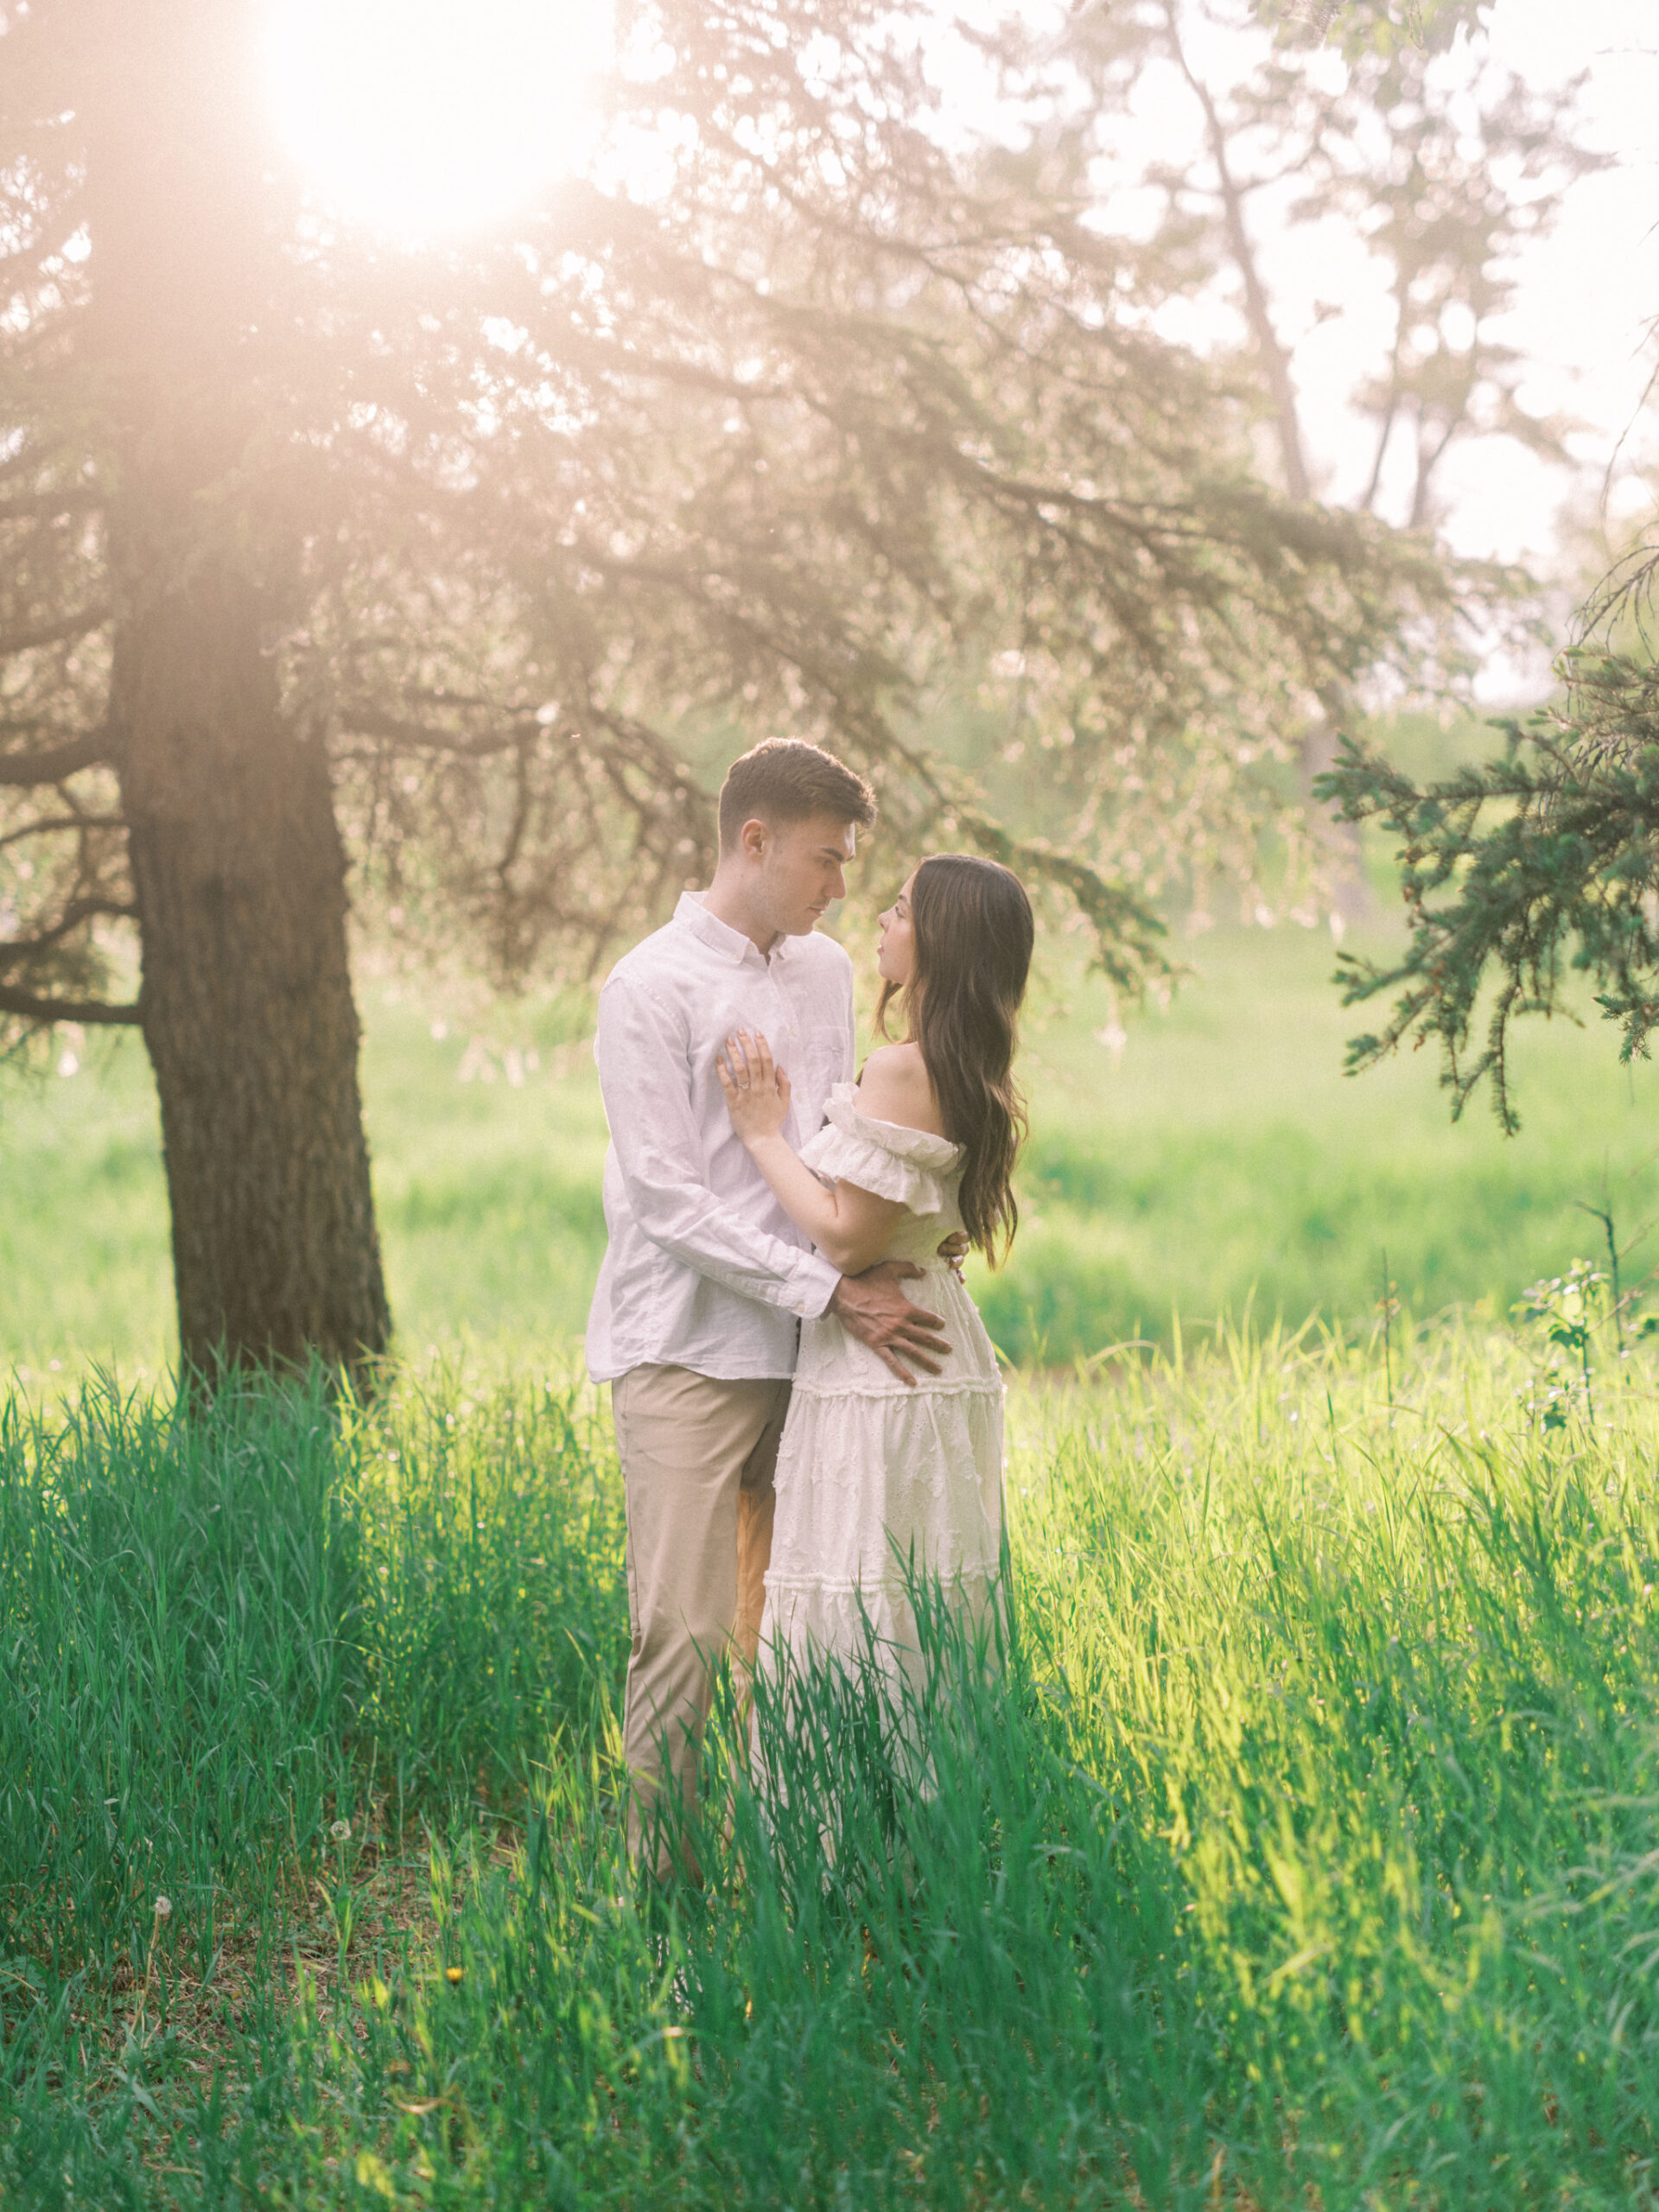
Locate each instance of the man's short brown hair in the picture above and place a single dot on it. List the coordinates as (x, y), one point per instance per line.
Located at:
(785, 779)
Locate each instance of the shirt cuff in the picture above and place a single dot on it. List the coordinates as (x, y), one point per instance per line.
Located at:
(816, 1286)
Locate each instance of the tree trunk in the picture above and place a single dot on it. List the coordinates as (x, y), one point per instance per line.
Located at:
(240, 877)
(238, 869)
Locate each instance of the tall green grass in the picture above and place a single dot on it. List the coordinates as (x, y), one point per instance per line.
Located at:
(247, 1655)
(1297, 1848)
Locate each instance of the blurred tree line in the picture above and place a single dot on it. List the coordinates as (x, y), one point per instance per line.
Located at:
(340, 569)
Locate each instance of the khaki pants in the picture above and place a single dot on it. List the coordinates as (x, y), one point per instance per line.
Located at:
(698, 1459)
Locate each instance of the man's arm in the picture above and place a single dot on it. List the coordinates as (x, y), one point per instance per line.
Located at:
(641, 1052)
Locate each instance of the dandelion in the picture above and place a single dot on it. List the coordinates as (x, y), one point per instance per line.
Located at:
(163, 1908)
(453, 1975)
(341, 1831)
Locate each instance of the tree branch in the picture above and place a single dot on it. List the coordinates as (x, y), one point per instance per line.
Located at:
(50, 825)
(23, 771)
(93, 1013)
(1275, 361)
(1368, 504)
(1428, 460)
(79, 910)
(366, 721)
(52, 634)
(70, 218)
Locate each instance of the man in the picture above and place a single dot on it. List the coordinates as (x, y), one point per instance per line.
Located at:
(695, 1318)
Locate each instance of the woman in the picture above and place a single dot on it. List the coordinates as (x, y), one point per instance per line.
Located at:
(879, 1481)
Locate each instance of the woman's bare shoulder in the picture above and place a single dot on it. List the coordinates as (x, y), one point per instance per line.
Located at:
(896, 1087)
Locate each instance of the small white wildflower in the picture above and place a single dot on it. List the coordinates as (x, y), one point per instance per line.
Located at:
(163, 1908)
(340, 1831)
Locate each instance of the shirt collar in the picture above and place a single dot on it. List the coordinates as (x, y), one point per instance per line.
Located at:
(731, 944)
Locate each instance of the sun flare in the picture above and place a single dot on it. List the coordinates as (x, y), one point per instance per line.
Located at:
(427, 117)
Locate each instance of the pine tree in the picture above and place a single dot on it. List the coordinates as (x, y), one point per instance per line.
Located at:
(326, 555)
(1520, 873)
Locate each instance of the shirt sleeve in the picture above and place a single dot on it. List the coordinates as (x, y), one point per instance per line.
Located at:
(641, 1052)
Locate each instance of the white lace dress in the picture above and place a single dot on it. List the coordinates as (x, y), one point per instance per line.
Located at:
(871, 1472)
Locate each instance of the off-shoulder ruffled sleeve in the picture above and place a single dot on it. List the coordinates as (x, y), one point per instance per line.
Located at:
(906, 1165)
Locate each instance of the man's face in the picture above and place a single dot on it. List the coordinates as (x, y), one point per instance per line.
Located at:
(801, 870)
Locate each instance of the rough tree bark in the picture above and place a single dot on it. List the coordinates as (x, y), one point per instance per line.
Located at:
(239, 878)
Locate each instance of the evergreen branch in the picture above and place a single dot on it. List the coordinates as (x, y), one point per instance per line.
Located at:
(92, 1014)
(429, 737)
(25, 771)
(15, 948)
(1517, 873)
(49, 825)
(1127, 933)
(69, 217)
(53, 633)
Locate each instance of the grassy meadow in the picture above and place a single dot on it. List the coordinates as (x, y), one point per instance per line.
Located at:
(1294, 1847)
(1217, 1161)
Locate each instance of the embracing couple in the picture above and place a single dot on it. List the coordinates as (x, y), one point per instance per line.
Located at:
(806, 1402)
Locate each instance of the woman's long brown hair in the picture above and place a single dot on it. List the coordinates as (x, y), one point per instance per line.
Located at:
(972, 931)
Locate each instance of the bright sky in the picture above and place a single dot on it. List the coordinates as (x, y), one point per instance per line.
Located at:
(1590, 294)
(425, 116)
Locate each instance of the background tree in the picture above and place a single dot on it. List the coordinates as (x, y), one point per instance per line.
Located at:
(1442, 166)
(1525, 872)
(319, 549)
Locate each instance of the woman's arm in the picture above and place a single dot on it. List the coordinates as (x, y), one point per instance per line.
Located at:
(641, 1055)
(852, 1228)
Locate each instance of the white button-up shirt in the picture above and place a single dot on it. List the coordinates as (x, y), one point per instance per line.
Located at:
(704, 1269)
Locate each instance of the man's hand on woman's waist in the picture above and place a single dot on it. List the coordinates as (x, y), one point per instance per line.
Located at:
(871, 1307)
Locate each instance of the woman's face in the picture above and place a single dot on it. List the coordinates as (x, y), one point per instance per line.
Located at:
(895, 957)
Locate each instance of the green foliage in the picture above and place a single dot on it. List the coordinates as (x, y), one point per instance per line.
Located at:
(1384, 27)
(1297, 1841)
(1520, 871)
